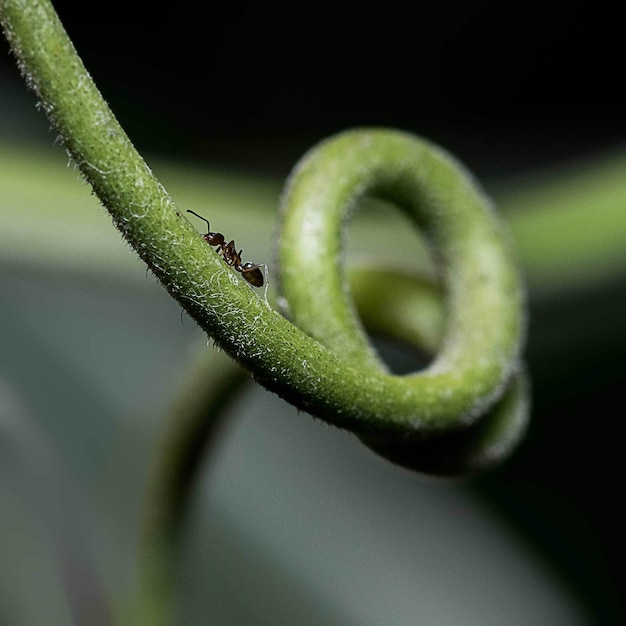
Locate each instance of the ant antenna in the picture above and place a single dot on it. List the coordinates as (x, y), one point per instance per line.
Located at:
(204, 219)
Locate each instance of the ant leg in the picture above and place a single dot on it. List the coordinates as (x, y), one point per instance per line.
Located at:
(267, 282)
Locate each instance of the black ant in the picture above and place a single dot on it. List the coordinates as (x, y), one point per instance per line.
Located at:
(250, 271)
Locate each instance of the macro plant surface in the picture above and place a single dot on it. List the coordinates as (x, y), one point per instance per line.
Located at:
(462, 413)
(323, 363)
(569, 228)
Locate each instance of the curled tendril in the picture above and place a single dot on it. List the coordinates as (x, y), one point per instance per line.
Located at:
(460, 413)
(468, 408)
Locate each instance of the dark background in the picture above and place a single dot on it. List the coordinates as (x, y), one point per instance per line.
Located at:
(508, 87)
(505, 86)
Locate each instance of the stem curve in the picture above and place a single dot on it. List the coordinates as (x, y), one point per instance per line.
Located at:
(484, 326)
(323, 363)
(418, 320)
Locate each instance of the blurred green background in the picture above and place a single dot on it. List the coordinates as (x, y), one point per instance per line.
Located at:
(294, 522)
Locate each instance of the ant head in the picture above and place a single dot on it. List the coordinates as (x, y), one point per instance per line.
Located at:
(214, 239)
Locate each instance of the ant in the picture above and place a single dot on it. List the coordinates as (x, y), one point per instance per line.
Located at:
(250, 271)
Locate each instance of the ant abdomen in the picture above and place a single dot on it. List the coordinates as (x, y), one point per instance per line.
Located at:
(252, 273)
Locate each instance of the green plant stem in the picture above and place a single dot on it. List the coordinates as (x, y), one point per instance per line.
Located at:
(484, 300)
(323, 365)
(195, 416)
(191, 426)
(418, 320)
